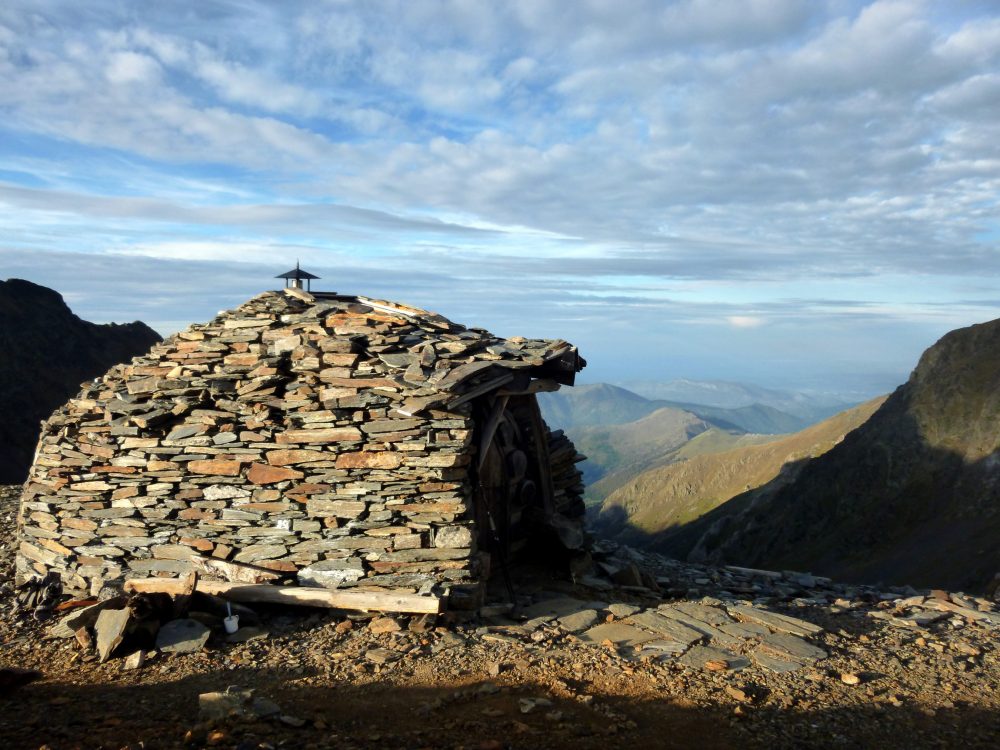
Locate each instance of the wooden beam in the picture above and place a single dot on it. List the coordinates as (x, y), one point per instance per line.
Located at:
(489, 430)
(234, 572)
(479, 390)
(304, 596)
(541, 440)
(542, 385)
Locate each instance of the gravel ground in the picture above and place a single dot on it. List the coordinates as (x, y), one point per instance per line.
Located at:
(495, 683)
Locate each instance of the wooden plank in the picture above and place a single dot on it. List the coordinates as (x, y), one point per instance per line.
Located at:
(305, 596)
(479, 390)
(233, 572)
(542, 385)
(541, 440)
(490, 429)
(182, 601)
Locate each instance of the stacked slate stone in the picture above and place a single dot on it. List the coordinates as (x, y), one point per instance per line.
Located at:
(566, 478)
(326, 436)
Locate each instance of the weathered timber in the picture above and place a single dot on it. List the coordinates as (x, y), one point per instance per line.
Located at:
(306, 596)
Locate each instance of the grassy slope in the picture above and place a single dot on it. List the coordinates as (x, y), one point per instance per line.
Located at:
(624, 434)
(617, 452)
(711, 440)
(677, 494)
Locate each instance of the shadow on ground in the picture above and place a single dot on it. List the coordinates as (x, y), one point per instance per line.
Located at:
(474, 714)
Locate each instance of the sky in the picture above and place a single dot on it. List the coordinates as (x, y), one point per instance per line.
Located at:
(793, 193)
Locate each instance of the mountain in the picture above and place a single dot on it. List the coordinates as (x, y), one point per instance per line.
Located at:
(809, 407)
(48, 353)
(623, 434)
(602, 404)
(755, 418)
(659, 508)
(624, 450)
(912, 495)
(708, 441)
(593, 404)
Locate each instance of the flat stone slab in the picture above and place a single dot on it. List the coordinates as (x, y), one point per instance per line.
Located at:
(596, 583)
(792, 647)
(922, 619)
(622, 610)
(703, 612)
(618, 633)
(773, 663)
(970, 614)
(579, 621)
(664, 646)
(667, 627)
(83, 617)
(710, 631)
(744, 629)
(182, 636)
(775, 621)
(705, 657)
(382, 655)
(553, 608)
(911, 620)
(110, 630)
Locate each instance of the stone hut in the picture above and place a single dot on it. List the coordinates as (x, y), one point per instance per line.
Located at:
(345, 441)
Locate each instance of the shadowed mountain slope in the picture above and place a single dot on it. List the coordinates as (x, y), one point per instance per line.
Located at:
(655, 508)
(633, 447)
(911, 496)
(47, 352)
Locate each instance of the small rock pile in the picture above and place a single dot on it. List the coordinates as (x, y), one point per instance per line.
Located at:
(136, 626)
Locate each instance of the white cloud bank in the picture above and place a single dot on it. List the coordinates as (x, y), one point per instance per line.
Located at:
(652, 169)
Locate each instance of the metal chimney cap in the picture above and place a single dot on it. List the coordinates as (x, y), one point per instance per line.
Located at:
(297, 273)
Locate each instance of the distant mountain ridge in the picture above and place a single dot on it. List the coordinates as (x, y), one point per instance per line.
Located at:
(47, 352)
(912, 496)
(603, 404)
(723, 394)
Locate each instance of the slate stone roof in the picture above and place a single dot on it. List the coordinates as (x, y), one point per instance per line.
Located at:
(434, 361)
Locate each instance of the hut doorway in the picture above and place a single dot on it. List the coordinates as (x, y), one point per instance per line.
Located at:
(513, 485)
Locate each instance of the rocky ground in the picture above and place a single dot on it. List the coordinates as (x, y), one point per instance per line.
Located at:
(716, 658)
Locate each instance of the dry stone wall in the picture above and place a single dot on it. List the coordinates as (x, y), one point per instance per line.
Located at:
(327, 437)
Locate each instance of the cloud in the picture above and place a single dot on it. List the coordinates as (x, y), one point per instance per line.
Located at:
(703, 161)
(745, 321)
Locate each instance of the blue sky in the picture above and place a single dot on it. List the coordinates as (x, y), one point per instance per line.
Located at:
(797, 193)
